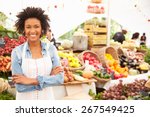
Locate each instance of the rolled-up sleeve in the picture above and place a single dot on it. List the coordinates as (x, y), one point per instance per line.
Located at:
(50, 80)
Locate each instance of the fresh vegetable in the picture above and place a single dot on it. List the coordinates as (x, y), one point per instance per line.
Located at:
(6, 96)
(147, 56)
(87, 74)
(79, 78)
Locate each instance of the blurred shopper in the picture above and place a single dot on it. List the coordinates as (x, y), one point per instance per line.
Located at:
(135, 37)
(143, 39)
(50, 37)
(35, 64)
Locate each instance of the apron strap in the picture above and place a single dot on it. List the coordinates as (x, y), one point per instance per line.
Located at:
(24, 50)
(47, 50)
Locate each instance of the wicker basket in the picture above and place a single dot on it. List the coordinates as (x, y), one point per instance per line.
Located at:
(101, 80)
(120, 51)
(107, 50)
(80, 56)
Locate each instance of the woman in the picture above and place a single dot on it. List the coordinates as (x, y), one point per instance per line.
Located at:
(35, 64)
(135, 38)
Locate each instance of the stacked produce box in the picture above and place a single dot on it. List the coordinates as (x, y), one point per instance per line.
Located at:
(97, 31)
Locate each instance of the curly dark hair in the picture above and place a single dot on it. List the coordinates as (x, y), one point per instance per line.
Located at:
(32, 12)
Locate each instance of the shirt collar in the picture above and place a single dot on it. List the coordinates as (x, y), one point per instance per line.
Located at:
(43, 45)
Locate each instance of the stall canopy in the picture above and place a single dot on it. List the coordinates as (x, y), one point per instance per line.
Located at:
(67, 14)
(133, 14)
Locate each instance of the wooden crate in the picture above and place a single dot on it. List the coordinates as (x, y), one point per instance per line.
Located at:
(88, 28)
(102, 41)
(99, 29)
(100, 37)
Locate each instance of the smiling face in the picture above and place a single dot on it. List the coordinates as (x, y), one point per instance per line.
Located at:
(33, 29)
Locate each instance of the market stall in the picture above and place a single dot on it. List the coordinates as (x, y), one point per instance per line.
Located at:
(90, 58)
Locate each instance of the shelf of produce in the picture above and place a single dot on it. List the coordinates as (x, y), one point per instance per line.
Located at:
(80, 82)
(129, 79)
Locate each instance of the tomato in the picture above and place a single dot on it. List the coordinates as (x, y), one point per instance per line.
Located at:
(91, 62)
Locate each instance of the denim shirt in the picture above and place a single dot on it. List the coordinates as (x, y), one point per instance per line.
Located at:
(44, 81)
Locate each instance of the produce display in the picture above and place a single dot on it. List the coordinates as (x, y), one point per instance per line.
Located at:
(69, 59)
(10, 44)
(68, 75)
(114, 66)
(134, 61)
(91, 58)
(78, 75)
(5, 63)
(102, 76)
(134, 90)
(3, 85)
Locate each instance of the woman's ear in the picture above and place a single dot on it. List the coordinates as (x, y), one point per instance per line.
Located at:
(42, 33)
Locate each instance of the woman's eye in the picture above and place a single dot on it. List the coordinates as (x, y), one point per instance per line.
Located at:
(28, 27)
(36, 26)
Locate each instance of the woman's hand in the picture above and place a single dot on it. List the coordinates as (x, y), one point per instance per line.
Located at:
(56, 70)
(21, 79)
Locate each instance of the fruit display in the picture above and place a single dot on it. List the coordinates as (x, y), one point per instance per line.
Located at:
(69, 59)
(122, 91)
(114, 65)
(134, 61)
(91, 58)
(5, 63)
(10, 44)
(3, 85)
(68, 75)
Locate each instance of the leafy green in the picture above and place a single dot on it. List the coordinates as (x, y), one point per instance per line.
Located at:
(6, 96)
(79, 72)
(147, 56)
(5, 32)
